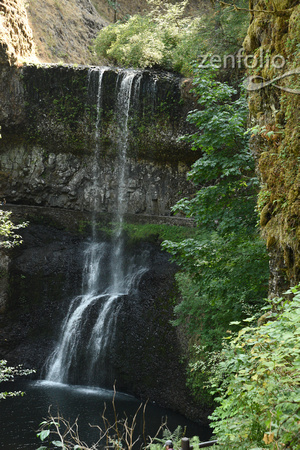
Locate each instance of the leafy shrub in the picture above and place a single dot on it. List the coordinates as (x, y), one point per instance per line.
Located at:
(164, 37)
(132, 43)
(225, 171)
(258, 381)
(144, 41)
(8, 237)
(225, 280)
(8, 373)
(227, 260)
(225, 267)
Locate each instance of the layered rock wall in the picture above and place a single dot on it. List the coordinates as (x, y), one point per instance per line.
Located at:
(54, 134)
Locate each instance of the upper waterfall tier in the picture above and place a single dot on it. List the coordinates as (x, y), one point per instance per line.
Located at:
(52, 121)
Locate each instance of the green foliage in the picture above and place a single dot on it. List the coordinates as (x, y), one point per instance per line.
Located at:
(8, 373)
(225, 266)
(175, 437)
(145, 231)
(201, 365)
(158, 231)
(223, 280)
(223, 29)
(225, 171)
(144, 41)
(258, 381)
(228, 281)
(8, 237)
(165, 37)
(226, 260)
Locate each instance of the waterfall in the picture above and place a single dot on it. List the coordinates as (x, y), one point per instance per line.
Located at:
(95, 84)
(123, 104)
(82, 353)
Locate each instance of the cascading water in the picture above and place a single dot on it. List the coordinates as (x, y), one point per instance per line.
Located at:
(94, 194)
(123, 103)
(82, 354)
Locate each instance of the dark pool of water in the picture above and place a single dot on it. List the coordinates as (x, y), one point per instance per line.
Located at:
(20, 416)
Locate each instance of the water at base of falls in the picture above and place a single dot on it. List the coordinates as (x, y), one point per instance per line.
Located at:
(20, 417)
(82, 354)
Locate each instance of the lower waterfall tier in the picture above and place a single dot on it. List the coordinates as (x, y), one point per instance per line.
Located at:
(145, 354)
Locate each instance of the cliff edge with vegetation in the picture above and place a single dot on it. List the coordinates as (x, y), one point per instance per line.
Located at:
(63, 30)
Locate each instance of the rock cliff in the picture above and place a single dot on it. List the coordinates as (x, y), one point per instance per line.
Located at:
(16, 39)
(50, 139)
(63, 30)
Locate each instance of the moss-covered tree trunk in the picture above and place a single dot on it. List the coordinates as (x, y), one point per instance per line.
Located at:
(273, 38)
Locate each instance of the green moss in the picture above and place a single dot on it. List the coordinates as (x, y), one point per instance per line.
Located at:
(159, 232)
(278, 152)
(56, 108)
(62, 112)
(145, 232)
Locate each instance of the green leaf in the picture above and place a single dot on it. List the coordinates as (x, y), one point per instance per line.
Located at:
(250, 319)
(43, 434)
(58, 444)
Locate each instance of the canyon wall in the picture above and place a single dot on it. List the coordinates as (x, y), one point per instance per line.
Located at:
(58, 123)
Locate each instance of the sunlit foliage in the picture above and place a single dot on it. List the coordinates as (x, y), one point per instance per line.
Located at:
(166, 38)
(257, 381)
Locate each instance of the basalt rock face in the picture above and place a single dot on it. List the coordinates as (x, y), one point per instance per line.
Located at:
(16, 40)
(49, 138)
(12, 110)
(46, 273)
(154, 366)
(42, 274)
(273, 39)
